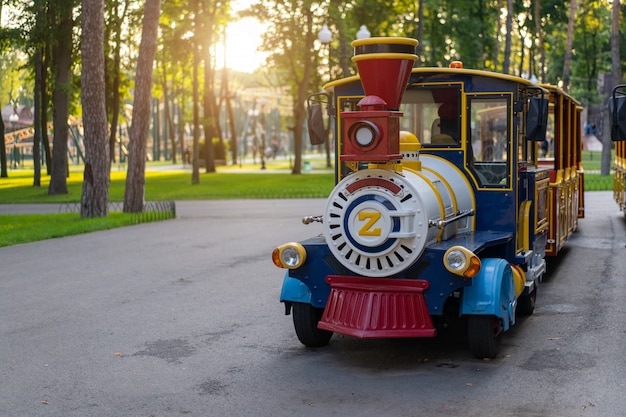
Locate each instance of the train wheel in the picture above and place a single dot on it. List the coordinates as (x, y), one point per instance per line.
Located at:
(526, 303)
(484, 334)
(305, 319)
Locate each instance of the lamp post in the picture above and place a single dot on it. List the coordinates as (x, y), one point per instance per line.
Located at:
(325, 36)
(363, 33)
(14, 118)
(263, 131)
(252, 119)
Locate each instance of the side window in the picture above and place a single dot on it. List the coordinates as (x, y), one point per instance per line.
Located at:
(488, 140)
(433, 114)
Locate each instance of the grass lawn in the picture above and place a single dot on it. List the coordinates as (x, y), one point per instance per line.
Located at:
(230, 182)
(24, 228)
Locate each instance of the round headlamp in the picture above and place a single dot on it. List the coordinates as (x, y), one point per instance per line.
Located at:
(290, 255)
(456, 260)
(461, 261)
(365, 133)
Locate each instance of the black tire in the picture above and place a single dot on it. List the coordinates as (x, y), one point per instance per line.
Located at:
(305, 319)
(484, 334)
(526, 303)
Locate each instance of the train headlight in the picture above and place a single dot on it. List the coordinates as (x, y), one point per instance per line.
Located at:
(461, 261)
(289, 255)
(365, 133)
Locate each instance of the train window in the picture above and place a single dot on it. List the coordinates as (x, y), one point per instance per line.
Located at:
(433, 114)
(488, 140)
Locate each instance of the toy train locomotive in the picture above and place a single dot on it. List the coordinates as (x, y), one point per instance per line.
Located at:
(617, 115)
(447, 199)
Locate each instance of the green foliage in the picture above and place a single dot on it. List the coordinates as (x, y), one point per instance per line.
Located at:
(13, 74)
(592, 39)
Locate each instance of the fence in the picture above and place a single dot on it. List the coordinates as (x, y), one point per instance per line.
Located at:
(152, 210)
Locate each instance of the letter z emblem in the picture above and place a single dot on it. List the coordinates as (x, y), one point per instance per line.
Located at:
(370, 218)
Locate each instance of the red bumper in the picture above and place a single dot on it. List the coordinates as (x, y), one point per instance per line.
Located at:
(377, 308)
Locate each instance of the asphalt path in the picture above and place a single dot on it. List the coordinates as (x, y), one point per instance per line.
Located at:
(182, 317)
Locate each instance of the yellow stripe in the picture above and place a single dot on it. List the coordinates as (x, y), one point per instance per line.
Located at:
(463, 178)
(385, 40)
(442, 209)
(524, 226)
(455, 206)
(384, 55)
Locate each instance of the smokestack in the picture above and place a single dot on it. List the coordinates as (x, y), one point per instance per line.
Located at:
(384, 65)
(372, 134)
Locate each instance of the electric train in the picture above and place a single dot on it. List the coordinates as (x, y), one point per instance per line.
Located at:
(453, 186)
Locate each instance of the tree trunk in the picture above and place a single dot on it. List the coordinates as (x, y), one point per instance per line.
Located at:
(168, 116)
(62, 58)
(507, 44)
(37, 133)
(114, 95)
(210, 117)
(95, 195)
(299, 112)
(136, 175)
(615, 48)
(420, 32)
(180, 104)
(542, 48)
(45, 98)
(567, 60)
(3, 153)
(231, 116)
(195, 163)
(3, 149)
(607, 143)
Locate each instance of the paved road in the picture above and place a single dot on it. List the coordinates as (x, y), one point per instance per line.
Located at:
(181, 318)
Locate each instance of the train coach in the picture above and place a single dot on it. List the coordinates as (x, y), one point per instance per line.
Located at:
(617, 115)
(452, 187)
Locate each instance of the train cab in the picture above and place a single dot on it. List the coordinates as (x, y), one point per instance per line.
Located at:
(488, 127)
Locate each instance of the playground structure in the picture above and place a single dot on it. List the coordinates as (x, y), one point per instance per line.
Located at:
(19, 143)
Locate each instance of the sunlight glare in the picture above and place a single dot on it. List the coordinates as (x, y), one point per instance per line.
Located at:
(243, 38)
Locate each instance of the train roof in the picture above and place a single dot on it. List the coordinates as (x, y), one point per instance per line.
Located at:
(440, 70)
(558, 90)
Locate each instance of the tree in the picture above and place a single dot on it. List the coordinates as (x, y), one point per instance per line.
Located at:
(113, 75)
(290, 42)
(195, 168)
(509, 33)
(213, 18)
(96, 178)
(615, 43)
(617, 78)
(37, 116)
(540, 41)
(62, 62)
(176, 24)
(567, 61)
(136, 176)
